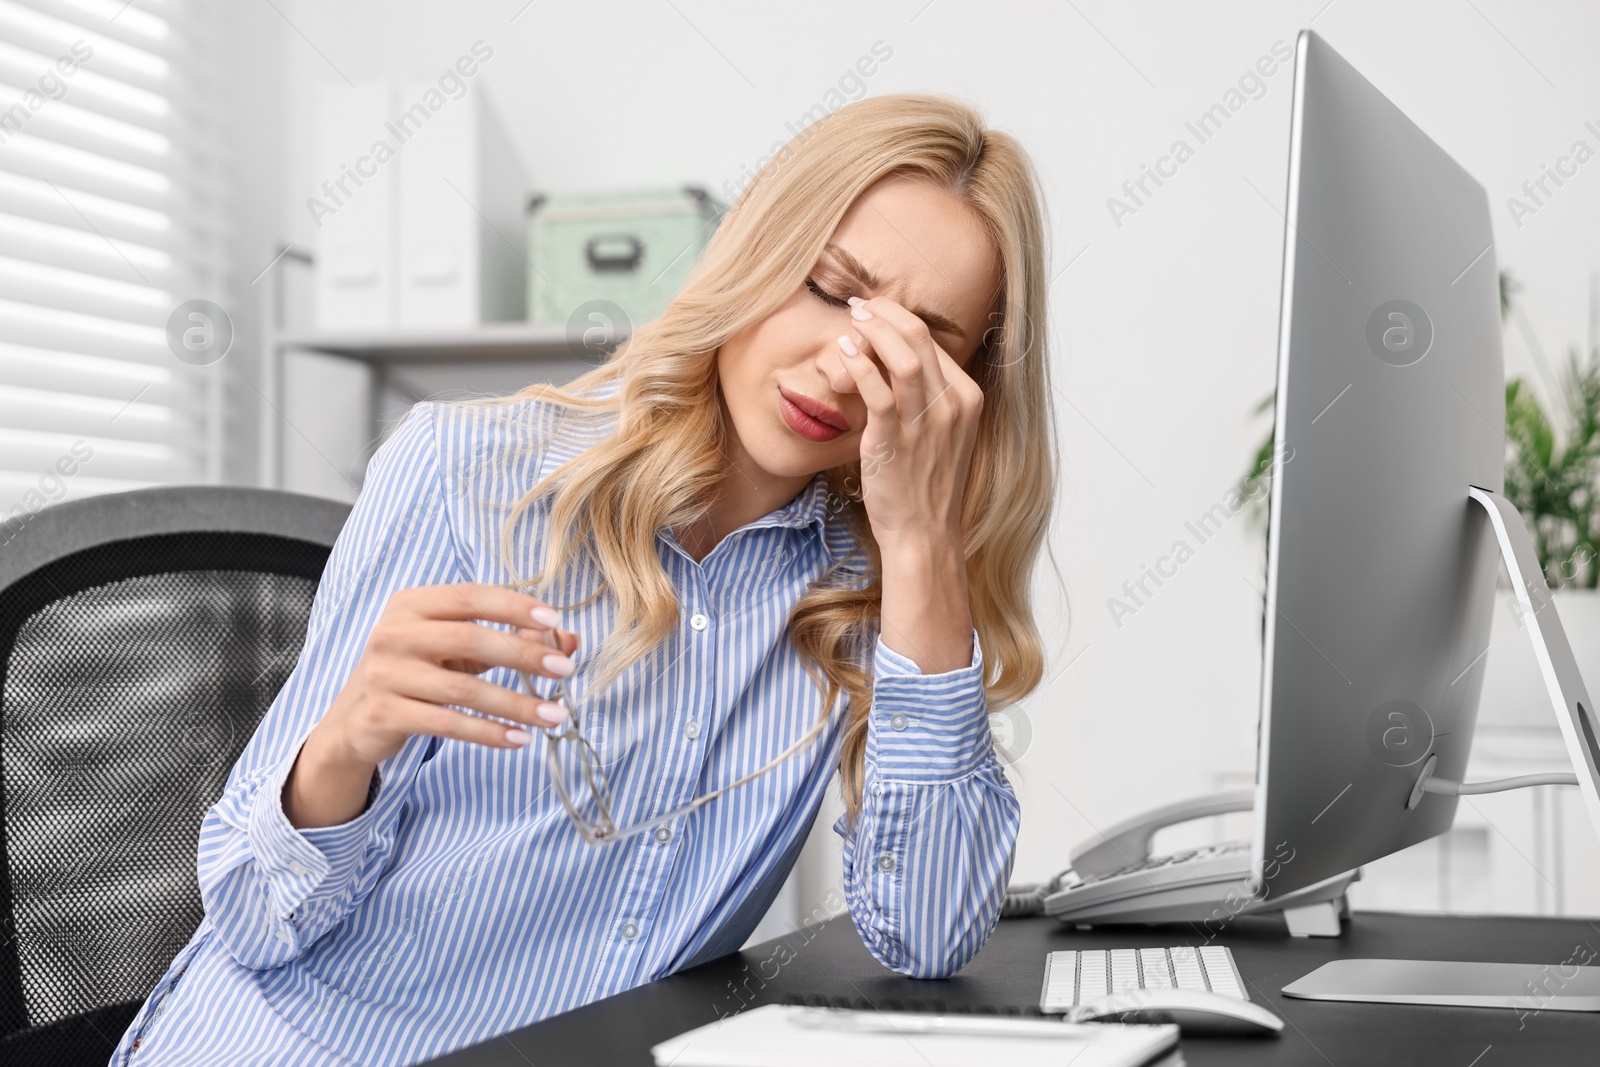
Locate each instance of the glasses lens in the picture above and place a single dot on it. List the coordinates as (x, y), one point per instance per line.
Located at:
(575, 767)
(593, 773)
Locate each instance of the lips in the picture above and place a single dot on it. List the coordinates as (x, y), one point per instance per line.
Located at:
(817, 410)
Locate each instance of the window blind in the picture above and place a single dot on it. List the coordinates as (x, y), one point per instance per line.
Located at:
(111, 215)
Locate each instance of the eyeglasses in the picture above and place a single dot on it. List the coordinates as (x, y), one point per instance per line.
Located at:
(593, 792)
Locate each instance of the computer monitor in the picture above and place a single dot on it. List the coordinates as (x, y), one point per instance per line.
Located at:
(1382, 557)
(1388, 525)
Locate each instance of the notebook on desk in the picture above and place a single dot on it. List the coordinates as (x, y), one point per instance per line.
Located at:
(816, 999)
(787, 1035)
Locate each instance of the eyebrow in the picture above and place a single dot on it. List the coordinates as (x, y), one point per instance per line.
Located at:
(855, 267)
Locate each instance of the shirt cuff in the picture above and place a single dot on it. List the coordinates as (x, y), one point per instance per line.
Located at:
(927, 727)
(297, 862)
(889, 662)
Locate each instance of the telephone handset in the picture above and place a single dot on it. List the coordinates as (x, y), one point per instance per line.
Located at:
(1123, 845)
(1194, 885)
(1128, 842)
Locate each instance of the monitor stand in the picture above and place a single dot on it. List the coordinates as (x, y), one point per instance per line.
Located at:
(1531, 987)
(1566, 985)
(1574, 710)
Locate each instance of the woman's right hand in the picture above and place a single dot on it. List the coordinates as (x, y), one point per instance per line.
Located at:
(426, 651)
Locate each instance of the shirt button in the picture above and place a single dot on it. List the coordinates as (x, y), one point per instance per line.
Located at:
(286, 937)
(663, 834)
(898, 720)
(299, 868)
(630, 931)
(691, 729)
(885, 862)
(698, 621)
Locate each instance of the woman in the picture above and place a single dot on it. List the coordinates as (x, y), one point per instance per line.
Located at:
(807, 498)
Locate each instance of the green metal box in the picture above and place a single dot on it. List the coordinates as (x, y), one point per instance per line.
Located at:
(631, 248)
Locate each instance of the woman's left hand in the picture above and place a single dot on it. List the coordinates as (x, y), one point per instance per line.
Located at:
(921, 425)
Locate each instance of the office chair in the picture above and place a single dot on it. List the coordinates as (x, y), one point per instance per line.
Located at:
(143, 635)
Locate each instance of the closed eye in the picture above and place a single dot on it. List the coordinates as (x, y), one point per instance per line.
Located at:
(825, 296)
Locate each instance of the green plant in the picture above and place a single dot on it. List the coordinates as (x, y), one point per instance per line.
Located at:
(1553, 475)
(1257, 511)
(1552, 472)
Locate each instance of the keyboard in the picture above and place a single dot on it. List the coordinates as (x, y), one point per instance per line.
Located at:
(1077, 977)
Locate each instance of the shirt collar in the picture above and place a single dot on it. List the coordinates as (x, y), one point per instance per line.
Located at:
(809, 508)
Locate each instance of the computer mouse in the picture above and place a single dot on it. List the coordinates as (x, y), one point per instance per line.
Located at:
(1195, 1011)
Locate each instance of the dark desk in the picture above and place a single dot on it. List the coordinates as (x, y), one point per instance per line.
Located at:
(829, 958)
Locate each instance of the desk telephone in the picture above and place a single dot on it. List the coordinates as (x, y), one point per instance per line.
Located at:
(1115, 879)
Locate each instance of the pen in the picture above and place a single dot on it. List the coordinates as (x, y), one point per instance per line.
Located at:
(919, 1023)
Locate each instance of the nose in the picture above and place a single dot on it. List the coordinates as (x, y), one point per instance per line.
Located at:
(831, 363)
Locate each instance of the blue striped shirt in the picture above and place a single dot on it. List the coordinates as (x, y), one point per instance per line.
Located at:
(462, 903)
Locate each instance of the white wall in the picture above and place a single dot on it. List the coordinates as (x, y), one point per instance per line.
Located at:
(1164, 327)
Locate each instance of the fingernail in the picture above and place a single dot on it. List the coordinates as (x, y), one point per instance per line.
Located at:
(547, 617)
(554, 714)
(559, 665)
(848, 345)
(518, 737)
(854, 301)
(858, 311)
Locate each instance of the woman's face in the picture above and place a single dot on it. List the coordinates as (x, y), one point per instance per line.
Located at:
(904, 238)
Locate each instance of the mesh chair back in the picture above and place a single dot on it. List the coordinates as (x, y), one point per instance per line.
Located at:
(142, 637)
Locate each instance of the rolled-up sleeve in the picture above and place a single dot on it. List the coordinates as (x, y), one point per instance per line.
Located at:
(271, 890)
(926, 868)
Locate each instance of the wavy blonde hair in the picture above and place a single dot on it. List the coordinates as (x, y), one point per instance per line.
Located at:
(662, 463)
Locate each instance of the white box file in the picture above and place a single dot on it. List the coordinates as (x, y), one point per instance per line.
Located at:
(433, 234)
(354, 272)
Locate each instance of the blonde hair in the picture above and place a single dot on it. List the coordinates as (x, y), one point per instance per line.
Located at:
(663, 461)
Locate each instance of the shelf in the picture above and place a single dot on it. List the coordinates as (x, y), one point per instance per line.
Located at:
(493, 342)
